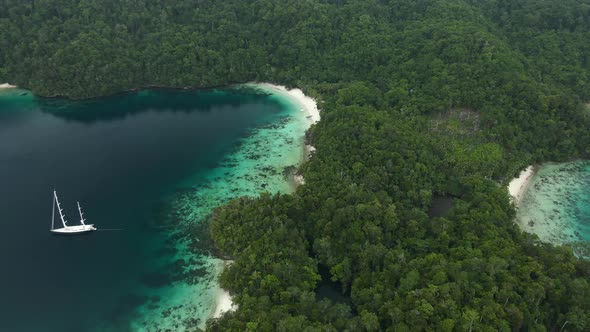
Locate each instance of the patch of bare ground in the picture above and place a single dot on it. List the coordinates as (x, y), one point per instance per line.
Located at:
(456, 122)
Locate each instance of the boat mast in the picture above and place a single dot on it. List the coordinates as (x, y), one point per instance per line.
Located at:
(81, 214)
(53, 210)
(61, 215)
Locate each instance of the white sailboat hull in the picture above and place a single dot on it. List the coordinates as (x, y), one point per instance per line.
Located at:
(74, 229)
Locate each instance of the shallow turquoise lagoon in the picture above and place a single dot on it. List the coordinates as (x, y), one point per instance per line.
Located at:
(148, 168)
(556, 204)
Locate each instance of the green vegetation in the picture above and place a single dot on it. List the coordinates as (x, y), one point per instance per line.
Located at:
(419, 99)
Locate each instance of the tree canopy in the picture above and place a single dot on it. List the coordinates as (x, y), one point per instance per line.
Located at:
(420, 99)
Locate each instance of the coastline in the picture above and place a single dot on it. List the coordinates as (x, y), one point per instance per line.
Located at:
(308, 105)
(224, 304)
(517, 187)
(7, 86)
(555, 206)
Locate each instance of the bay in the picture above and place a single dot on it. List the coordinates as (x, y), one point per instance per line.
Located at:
(148, 168)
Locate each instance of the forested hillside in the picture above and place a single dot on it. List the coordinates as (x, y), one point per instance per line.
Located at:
(420, 100)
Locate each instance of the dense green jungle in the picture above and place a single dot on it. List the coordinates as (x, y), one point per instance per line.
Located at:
(421, 100)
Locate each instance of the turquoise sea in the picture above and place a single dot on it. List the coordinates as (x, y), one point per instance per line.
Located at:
(556, 204)
(148, 168)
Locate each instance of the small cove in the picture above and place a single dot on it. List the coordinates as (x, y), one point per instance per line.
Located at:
(556, 203)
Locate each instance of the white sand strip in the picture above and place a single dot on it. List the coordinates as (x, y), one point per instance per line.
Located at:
(308, 104)
(517, 186)
(7, 86)
(223, 301)
(224, 304)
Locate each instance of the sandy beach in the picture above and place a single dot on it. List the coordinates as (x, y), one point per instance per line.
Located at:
(307, 105)
(224, 304)
(7, 86)
(223, 301)
(517, 186)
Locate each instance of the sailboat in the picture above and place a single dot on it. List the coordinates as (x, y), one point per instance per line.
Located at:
(68, 229)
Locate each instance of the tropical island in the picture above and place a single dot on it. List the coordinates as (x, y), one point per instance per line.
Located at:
(423, 104)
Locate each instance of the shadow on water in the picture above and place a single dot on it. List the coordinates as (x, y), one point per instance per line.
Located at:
(157, 100)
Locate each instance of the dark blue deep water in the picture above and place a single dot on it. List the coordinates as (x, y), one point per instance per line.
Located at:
(120, 157)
